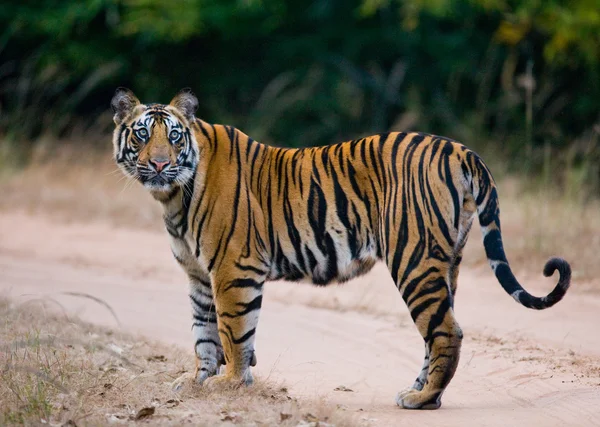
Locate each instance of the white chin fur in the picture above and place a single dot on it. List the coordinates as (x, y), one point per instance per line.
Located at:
(158, 188)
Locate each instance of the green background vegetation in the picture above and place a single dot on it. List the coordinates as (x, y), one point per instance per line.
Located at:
(519, 79)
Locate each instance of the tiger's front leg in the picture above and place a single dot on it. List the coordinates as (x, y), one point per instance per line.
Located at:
(207, 344)
(238, 304)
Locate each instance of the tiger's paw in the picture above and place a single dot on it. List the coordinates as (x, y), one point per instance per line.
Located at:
(416, 399)
(225, 381)
(204, 374)
(184, 381)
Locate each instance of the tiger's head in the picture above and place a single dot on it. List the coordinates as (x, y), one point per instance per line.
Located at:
(155, 143)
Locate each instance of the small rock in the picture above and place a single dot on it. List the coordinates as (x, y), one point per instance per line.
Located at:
(115, 348)
(115, 418)
(230, 416)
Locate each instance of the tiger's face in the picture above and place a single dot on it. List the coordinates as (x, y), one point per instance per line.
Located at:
(155, 143)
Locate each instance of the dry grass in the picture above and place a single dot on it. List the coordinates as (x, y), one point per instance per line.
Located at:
(71, 184)
(58, 370)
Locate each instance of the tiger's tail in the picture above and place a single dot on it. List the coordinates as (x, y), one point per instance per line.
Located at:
(486, 199)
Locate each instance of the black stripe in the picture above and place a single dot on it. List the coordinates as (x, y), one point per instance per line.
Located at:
(412, 285)
(440, 217)
(341, 204)
(415, 312)
(207, 341)
(236, 199)
(428, 288)
(491, 211)
(244, 283)
(253, 305)
(293, 233)
(229, 334)
(203, 307)
(447, 151)
(437, 318)
(198, 279)
(250, 268)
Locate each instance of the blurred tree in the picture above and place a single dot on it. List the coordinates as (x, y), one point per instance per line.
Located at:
(524, 73)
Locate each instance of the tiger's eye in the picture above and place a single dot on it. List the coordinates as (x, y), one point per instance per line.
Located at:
(174, 135)
(142, 133)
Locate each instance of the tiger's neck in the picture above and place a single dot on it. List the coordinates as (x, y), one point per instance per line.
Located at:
(176, 204)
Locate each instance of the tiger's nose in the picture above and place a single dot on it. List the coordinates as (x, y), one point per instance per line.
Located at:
(159, 164)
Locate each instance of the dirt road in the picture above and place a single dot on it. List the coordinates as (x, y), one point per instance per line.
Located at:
(518, 366)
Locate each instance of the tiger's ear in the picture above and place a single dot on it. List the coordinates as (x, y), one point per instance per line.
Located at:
(123, 103)
(186, 102)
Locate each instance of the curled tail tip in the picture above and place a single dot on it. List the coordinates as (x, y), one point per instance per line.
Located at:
(564, 271)
(564, 280)
(557, 294)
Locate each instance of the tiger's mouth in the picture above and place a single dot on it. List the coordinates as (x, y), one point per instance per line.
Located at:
(157, 183)
(153, 181)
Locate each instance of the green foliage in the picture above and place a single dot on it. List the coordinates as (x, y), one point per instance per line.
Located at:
(523, 73)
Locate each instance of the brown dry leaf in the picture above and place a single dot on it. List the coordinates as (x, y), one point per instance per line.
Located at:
(157, 358)
(342, 388)
(171, 403)
(145, 413)
(311, 418)
(283, 416)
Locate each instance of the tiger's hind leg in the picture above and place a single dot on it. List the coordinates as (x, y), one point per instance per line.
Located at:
(453, 280)
(429, 299)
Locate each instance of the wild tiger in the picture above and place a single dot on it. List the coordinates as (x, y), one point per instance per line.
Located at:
(239, 213)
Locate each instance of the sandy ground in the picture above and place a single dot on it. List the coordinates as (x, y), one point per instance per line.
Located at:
(517, 365)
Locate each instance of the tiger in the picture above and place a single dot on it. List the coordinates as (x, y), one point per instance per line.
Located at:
(239, 213)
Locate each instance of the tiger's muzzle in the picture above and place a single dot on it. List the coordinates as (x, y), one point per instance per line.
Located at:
(158, 174)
